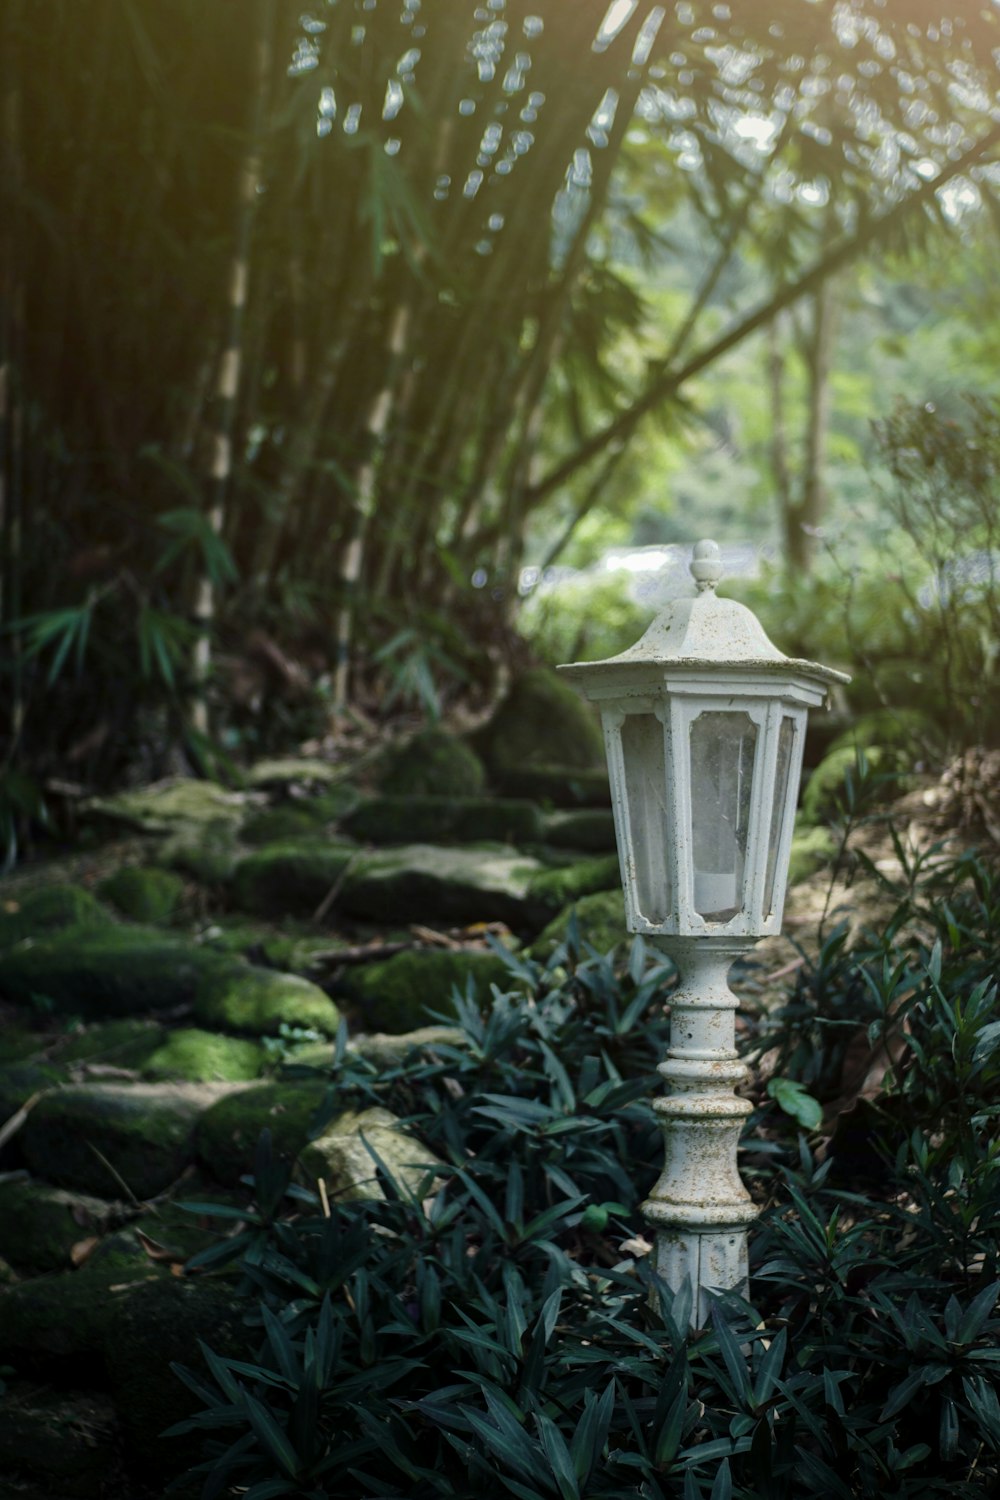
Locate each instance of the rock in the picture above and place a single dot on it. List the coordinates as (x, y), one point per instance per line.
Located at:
(49, 910)
(197, 1056)
(19, 1043)
(290, 947)
(382, 1049)
(560, 786)
(157, 1322)
(826, 785)
(142, 893)
(103, 972)
(239, 997)
(65, 1442)
(60, 1324)
(812, 848)
(423, 883)
(292, 878)
(226, 1134)
(20, 1085)
(341, 1158)
(542, 722)
(601, 920)
(444, 820)
(116, 1138)
(117, 1044)
(281, 825)
(288, 770)
(40, 1224)
(166, 806)
(207, 854)
(590, 829)
(398, 993)
(554, 889)
(431, 764)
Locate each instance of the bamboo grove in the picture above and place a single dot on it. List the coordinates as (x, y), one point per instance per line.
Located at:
(305, 316)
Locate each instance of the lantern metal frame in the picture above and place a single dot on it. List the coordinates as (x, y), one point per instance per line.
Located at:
(702, 656)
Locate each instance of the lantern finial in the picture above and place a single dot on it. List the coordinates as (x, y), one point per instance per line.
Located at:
(706, 565)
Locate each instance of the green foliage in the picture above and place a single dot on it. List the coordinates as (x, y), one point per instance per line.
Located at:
(498, 1336)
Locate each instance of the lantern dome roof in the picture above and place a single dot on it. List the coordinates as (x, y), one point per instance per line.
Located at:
(705, 630)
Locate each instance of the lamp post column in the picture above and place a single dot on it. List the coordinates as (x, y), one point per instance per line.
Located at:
(699, 1209)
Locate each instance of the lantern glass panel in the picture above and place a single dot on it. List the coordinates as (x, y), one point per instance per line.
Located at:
(780, 809)
(644, 756)
(723, 749)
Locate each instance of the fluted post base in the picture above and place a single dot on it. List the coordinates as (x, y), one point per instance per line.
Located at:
(699, 1209)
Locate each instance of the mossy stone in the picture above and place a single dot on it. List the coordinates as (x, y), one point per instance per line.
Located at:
(143, 893)
(424, 883)
(169, 805)
(292, 878)
(444, 820)
(67, 1443)
(588, 829)
(105, 972)
(541, 722)
(398, 993)
(240, 997)
(556, 785)
(290, 947)
(49, 910)
(280, 825)
(226, 1134)
(207, 854)
(19, 1083)
(119, 1044)
(95, 1137)
(20, 1043)
(431, 764)
(40, 1224)
(812, 849)
(341, 1157)
(198, 1056)
(826, 785)
(383, 1049)
(293, 770)
(554, 889)
(601, 922)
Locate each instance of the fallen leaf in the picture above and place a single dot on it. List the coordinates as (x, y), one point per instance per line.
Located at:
(84, 1249)
(157, 1251)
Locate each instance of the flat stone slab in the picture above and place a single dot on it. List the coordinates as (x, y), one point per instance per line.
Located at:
(589, 829)
(440, 820)
(397, 993)
(425, 883)
(103, 972)
(166, 806)
(288, 770)
(113, 1140)
(292, 878)
(40, 1224)
(240, 997)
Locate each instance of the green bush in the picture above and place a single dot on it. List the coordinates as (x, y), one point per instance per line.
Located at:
(497, 1334)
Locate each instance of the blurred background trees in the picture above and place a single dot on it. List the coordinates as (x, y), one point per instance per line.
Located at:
(316, 327)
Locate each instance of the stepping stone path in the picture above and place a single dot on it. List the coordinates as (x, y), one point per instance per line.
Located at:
(147, 1005)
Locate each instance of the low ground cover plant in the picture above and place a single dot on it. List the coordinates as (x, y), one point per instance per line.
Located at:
(501, 1331)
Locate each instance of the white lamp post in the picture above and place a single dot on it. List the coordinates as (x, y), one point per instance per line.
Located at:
(704, 723)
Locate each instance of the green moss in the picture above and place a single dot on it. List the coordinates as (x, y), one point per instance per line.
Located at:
(443, 820)
(290, 946)
(398, 993)
(120, 1044)
(542, 721)
(105, 971)
(40, 1224)
(601, 921)
(170, 805)
(560, 786)
(291, 878)
(432, 764)
(49, 910)
(422, 883)
(205, 1057)
(226, 1134)
(259, 1001)
(812, 848)
(557, 888)
(207, 854)
(902, 732)
(93, 1137)
(589, 829)
(20, 1082)
(144, 894)
(825, 787)
(278, 825)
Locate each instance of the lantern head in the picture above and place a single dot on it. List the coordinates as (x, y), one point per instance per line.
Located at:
(704, 726)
